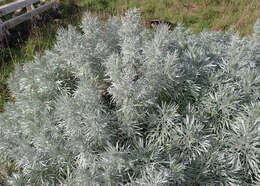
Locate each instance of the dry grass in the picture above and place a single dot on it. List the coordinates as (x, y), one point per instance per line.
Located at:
(197, 14)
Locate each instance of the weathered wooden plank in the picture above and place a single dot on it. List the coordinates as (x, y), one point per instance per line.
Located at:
(11, 7)
(3, 35)
(31, 7)
(7, 32)
(19, 19)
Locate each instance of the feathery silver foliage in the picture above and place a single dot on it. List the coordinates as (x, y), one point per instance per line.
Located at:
(121, 105)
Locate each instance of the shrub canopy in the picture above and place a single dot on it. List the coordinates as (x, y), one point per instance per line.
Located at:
(118, 104)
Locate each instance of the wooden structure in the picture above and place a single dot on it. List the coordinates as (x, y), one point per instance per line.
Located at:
(17, 6)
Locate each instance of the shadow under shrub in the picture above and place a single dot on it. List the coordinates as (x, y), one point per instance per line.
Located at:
(179, 109)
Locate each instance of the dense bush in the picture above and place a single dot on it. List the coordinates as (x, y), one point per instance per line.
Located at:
(121, 105)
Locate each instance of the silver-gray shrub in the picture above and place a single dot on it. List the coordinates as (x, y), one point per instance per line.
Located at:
(117, 104)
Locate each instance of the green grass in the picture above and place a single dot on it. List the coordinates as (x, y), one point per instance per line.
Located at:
(196, 14)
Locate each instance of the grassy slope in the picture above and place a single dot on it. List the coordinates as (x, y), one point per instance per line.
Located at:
(197, 14)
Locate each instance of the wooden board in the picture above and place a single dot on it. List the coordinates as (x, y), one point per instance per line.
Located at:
(19, 19)
(11, 7)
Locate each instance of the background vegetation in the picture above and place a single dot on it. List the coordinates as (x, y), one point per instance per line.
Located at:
(31, 38)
